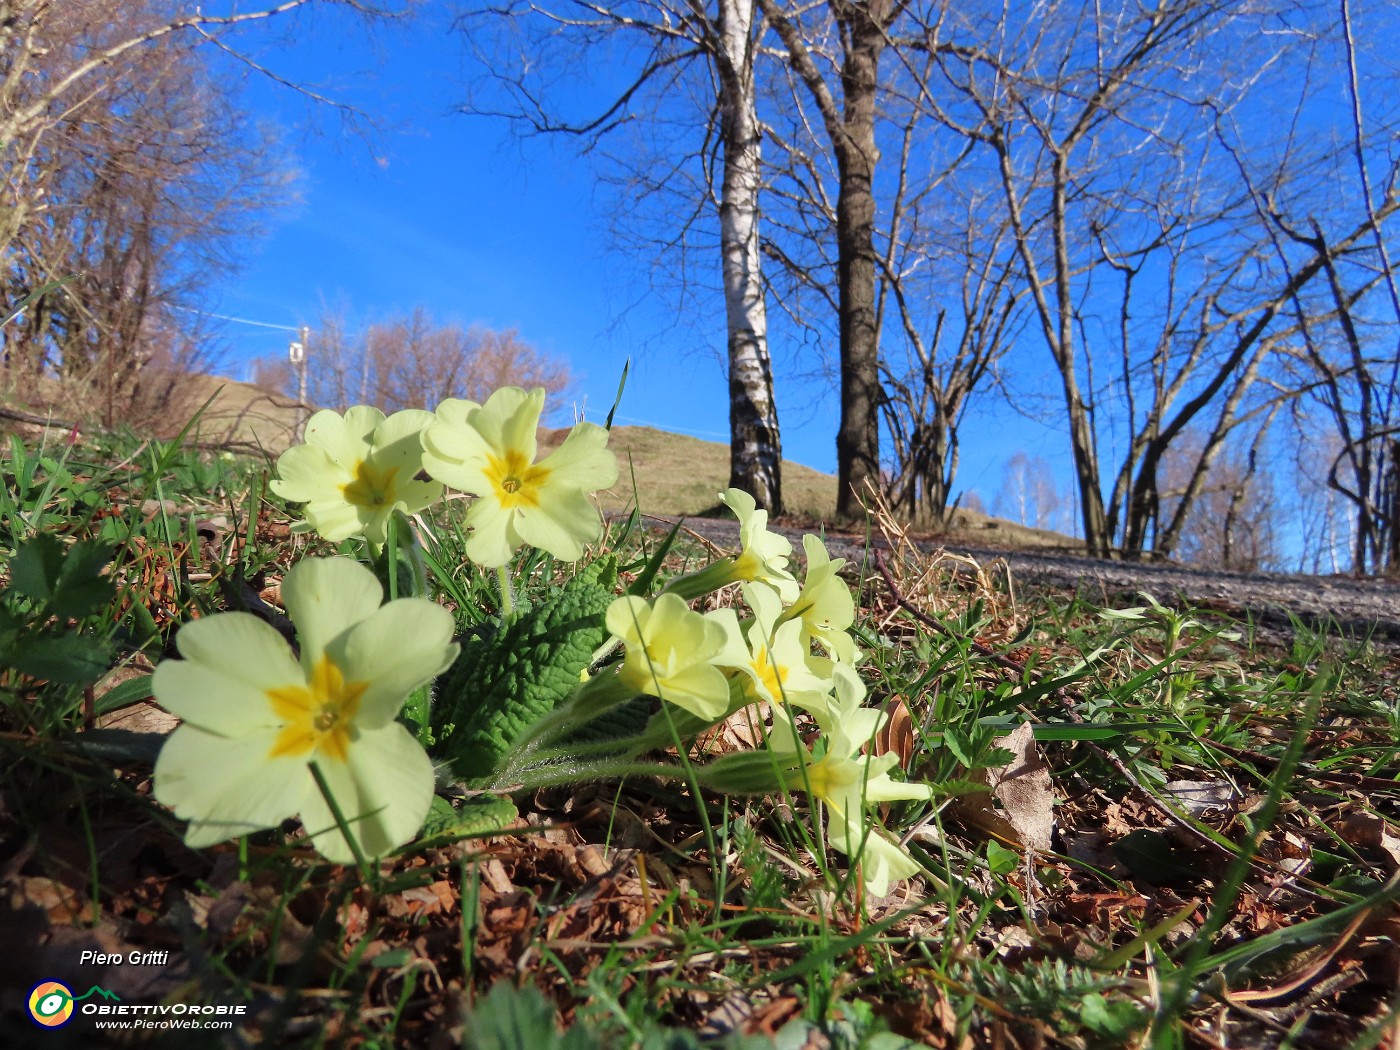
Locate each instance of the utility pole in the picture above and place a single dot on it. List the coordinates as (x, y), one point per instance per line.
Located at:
(297, 354)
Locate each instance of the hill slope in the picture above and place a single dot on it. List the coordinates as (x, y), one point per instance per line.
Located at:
(660, 472)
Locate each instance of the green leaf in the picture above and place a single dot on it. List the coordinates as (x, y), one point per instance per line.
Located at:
(1000, 860)
(390, 959)
(73, 659)
(668, 1039)
(479, 815)
(1117, 1019)
(120, 746)
(626, 719)
(506, 680)
(1099, 731)
(953, 742)
(1153, 857)
(644, 579)
(81, 589)
(510, 1019)
(11, 624)
(67, 579)
(124, 695)
(36, 567)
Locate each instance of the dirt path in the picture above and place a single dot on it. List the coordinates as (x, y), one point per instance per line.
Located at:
(1356, 606)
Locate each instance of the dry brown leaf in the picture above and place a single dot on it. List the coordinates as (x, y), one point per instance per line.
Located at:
(144, 716)
(61, 903)
(1199, 796)
(897, 733)
(1022, 786)
(1369, 829)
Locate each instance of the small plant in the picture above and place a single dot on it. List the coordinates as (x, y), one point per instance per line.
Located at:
(50, 624)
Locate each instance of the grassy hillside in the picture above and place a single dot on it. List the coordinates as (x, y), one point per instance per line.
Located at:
(667, 473)
(660, 472)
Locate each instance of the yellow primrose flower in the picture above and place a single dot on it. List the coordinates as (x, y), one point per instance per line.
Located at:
(254, 718)
(355, 470)
(669, 649)
(764, 555)
(772, 654)
(824, 606)
(762, 559)
(489, 451)
(846, 781)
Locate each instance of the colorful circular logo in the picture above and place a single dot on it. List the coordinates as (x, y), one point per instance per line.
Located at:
(50, 1004)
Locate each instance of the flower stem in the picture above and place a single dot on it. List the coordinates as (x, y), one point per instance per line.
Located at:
(366, 872)
(391, 556)
(711, 578)
(507, 597)
(417, 706)
(600, 693)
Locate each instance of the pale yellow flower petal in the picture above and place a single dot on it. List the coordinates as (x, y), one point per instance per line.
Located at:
(493, 538)
(489, 451)
(383, 789)
(669, 648)
(399, 647)
(346, 439)
(226, 787)
(230, 660)
(584, 459)
(355, 471)
(764, 555)
(883, 861)
(565, 520)
(276, 717)
(307, 473)
(324, 598)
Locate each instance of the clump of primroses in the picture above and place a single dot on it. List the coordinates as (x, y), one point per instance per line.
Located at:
(318, 733)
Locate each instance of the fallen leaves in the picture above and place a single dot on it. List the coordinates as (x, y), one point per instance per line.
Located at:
(1018, 806)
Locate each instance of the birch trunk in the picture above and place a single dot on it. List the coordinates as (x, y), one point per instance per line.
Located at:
(755, 448)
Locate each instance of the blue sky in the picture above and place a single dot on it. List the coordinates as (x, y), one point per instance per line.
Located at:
(453, 213)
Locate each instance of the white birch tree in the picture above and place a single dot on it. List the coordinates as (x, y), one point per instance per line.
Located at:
(675, 51)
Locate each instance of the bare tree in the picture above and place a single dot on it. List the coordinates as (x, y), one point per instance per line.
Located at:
(1357, 364)
(1145, 249)
(1234, 520)
(1027, 494)
(414, 362)
(680, 48)
(59, 56)
(141, 194)
(123, 161)
(951, 347)
(844, 88)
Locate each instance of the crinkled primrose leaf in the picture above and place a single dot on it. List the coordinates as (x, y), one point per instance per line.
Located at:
(479, 815)
(506, 680)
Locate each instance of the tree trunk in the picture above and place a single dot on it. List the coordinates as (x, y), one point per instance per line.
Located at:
(858, 437)
(755, 447)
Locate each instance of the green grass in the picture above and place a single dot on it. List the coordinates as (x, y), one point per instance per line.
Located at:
(1222, 870)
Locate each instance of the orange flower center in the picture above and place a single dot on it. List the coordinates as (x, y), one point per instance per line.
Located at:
(770, 674)
(373, 486)
(318, 717)
(515, 480)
